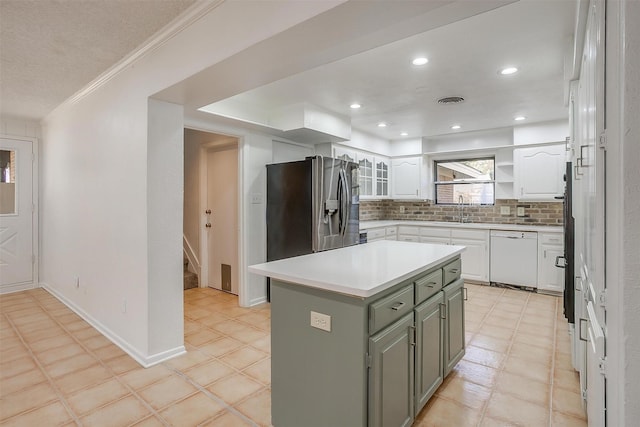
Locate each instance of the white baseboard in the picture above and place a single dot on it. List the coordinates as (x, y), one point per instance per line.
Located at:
(257, 301)
(18, 287)
(144, 360)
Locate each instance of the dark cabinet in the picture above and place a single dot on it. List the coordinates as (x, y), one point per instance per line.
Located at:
(391, 375)
(429, 355)
(454, 338)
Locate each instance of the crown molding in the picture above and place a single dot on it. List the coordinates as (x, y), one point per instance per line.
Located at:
(199, 9)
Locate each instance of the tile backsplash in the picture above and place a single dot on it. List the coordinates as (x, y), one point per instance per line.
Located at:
(536, 213)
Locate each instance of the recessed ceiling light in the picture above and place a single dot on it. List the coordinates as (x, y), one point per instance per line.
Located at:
(508, 70)
(404, 134)
(355, 105)
(382, 125)
(455, 127)
(420, 61)
(451, 100)
(519, 118)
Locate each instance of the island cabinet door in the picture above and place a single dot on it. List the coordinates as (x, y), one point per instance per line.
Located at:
(429, 336)
(454, 345)
(391, 375)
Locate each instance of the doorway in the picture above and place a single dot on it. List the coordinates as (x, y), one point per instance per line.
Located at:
(18, 212)
(211, 208)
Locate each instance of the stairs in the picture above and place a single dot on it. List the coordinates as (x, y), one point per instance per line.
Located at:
(190, 279)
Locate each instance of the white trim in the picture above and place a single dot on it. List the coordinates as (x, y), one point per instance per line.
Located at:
(256, 301)
(184, 20)
(191, 256)
(35, 218)
(204, 241)
(35, 197)
(18, 287)
(145, 361)
(204, 253)
(242, 265)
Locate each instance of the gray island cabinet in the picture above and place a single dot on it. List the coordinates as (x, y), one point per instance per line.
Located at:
(363, 336)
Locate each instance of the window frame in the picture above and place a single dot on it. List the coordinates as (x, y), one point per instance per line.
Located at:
(437, 183)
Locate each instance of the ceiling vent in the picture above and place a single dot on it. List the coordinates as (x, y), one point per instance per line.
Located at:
(451, 100)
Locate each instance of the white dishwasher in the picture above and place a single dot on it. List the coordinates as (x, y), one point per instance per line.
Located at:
(514, 258)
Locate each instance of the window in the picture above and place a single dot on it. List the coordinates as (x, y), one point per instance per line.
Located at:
(470, 181)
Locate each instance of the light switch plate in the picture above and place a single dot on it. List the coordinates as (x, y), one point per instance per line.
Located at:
(505, 210)
(321, 321)
(520, 211)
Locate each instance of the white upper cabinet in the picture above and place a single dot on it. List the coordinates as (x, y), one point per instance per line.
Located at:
(374, 170)
(343, 153)
(539, 172)
(406, 177)
(381, 173)
(367, 179)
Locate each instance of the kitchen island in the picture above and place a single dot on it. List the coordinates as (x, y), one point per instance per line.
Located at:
(363, 335)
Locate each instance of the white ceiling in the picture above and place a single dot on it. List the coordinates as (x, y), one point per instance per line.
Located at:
(464, 59)
(50, 49)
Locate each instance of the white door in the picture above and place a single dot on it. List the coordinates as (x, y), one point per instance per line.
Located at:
(589, 182)
(222, 201)
(16, 215)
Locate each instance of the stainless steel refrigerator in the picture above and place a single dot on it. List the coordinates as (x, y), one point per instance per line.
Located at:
(312, 206)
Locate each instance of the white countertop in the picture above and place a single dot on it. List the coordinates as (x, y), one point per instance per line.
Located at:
(364, 225)
(360, 270)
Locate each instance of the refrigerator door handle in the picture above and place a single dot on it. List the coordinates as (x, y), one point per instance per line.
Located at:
(346, 197)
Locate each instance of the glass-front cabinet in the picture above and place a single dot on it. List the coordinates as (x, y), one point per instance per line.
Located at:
(374, 171)
(382, 177)
(374, 176)
(366, 174)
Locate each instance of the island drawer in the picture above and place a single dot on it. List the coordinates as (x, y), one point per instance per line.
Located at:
(390, 308)
(428, 285)
(452, 271)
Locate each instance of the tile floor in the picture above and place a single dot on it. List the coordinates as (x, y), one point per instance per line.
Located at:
(56, 370)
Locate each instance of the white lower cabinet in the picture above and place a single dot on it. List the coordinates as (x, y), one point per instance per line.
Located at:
(374, 234)
(475, 259)
(438, 235)
(382, 233)
(550, 248)
(408, 233)
(391, 233)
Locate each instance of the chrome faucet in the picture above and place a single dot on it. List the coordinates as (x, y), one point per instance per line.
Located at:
(461, 216)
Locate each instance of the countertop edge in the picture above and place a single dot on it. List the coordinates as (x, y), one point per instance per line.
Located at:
(366, 225)
(262, 270)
